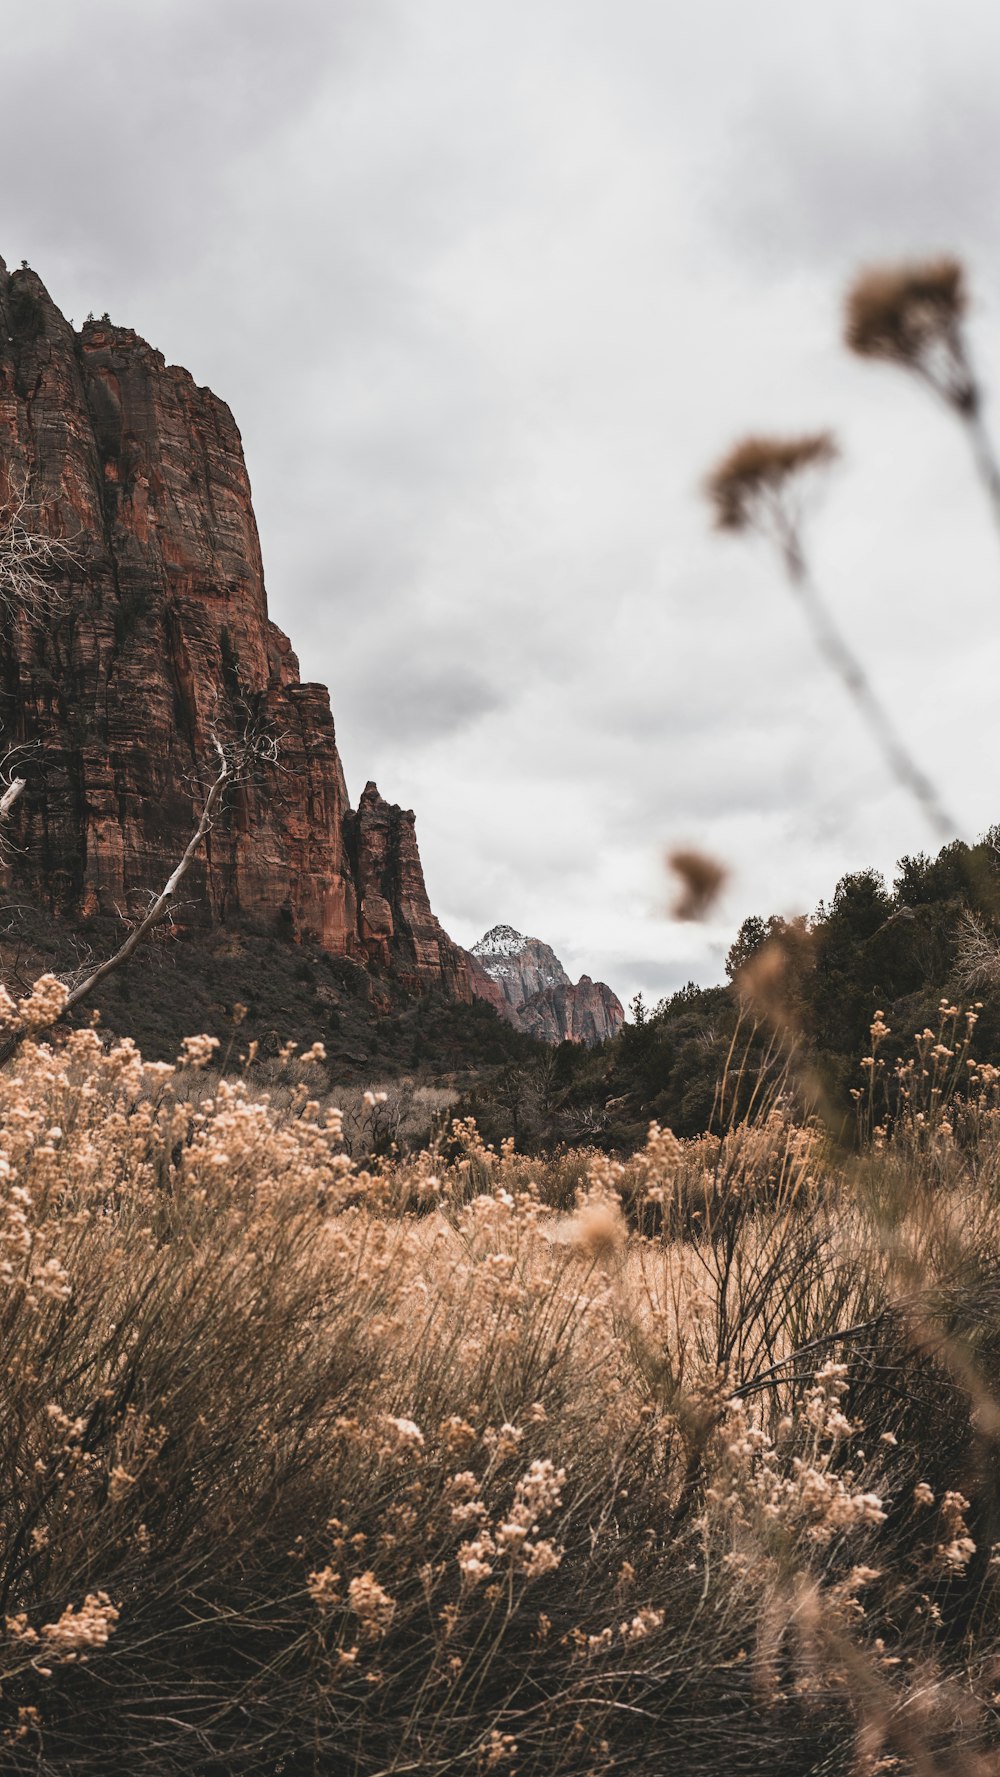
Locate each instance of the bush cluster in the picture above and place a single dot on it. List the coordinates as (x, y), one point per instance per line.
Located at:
(465, 1462)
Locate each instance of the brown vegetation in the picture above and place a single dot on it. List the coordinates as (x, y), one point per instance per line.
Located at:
(470, 1462)
(906, 313)
(748, 488)
(700, 880)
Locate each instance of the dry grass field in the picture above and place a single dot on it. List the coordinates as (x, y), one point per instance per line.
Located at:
(470, 1462)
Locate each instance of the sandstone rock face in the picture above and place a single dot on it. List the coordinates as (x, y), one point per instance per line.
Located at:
(152, 643)
(538, 993)
(520, 966)
(588, 1013)
(154, 640)
(395, 922)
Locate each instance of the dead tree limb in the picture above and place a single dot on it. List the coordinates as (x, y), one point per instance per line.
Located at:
(231, 769)
(159, 907)
(31, 560)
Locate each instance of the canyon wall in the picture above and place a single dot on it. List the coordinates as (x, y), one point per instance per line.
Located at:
(153, 640)
(149, 645)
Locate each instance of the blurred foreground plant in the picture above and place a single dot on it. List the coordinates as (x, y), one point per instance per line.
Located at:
(913, 315)
(762, 486)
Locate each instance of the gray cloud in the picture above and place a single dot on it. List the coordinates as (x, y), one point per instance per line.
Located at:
(487, 288)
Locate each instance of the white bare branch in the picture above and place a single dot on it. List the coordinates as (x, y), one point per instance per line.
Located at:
(31, 561)
(12, 785)
(10, 796)
(235, 764)
(160, 904)
(978, 958)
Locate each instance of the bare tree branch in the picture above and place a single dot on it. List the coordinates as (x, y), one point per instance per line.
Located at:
(978, 958)
(31, 560)
(232, 768)
(160, 905)
(10, 796)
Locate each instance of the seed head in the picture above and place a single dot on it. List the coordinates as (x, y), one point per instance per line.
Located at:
(897, 311)
(751, 479)
(701, 880)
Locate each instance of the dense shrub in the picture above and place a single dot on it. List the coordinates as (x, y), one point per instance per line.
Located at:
(465, 1462)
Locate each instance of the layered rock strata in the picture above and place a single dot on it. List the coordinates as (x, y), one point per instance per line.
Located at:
(148, 643)
(151, 640)
(539, 995)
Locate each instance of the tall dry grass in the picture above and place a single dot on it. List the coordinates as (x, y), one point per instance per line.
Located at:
(467, 1462)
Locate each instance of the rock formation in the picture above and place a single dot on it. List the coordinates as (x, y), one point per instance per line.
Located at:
(154, 639)
(539, 995)
(152, 642)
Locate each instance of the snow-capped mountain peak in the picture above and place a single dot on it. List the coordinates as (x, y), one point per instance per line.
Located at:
(539, 995)
(500, 941)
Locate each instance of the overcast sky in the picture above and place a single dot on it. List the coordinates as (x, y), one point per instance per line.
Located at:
(488, 284)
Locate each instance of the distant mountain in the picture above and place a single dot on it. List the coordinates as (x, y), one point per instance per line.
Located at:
(539, 995)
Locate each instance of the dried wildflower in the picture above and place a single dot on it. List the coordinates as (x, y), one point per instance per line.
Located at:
(701, 881)
(766, 981)
(197, 1051)
(539, 1558)
(462, 1486)
(644, 1623)
(911, 314)
(536, 1495)
(759, 486)
(468, 1514)
(503, 1441)
(750, 488)
(598, 1227)
(323, 1587)
(44, 1004)
(499, 1749)
(79, 1629)
(955, 1554)
(600, 1644)
(29, 1721)
(473, 1559)
(371, 1605)
(405, 1434)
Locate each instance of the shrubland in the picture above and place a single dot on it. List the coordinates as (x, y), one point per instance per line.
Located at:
(465, 1461)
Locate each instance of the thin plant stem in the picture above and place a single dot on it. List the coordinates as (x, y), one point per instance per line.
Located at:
(856, 682)
(984, 456)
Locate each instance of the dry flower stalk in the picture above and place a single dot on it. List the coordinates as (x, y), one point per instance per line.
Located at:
(913, 315)
(750, 488)
(759, 486)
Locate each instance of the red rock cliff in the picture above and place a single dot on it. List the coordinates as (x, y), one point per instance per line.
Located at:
(159, 637)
